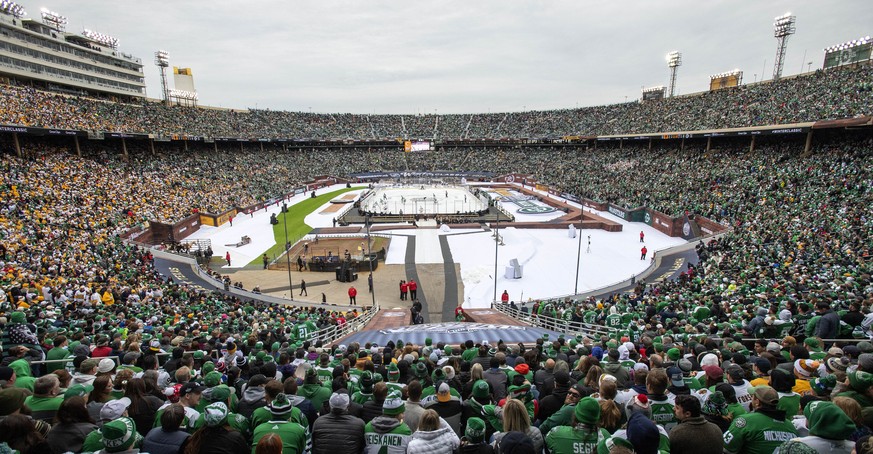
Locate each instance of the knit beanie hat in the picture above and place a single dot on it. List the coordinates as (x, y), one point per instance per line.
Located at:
(393, 372)
(860, 381)
(17, 317)
(643, 434)
(715, 405)
(207, 368)
(215, 414)
(212, 379)
(11, 399)
(587, 411)
(339, 401)
(475, 431)
(280, 406)
(796, 446)
(639, 404)
(674, 354)
(515, 443)
(481, 390)
(805, 367)
(826, 420)
(118, 435)
(366, 382)
(420, 370)
(393, 405)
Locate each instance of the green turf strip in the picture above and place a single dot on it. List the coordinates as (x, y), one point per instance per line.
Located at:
(296, 227)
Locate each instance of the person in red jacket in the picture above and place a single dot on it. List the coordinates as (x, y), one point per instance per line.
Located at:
(404, 287)
(643, 252)
(504, 298)
(353, 292)
(642, 236)
(227, 257)
(413, 289)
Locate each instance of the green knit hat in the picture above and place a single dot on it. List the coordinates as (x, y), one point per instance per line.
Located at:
(587, 411)
(215, 414)
(212, 379)
(118, 435)
(393, 372)
(393, 405)
(475, 431)
(17, 317)
(481, 389)
(674, 354)
(826, 420)
(280, 406)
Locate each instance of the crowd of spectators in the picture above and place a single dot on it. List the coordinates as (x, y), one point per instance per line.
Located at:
(795, 267)
(822, 95)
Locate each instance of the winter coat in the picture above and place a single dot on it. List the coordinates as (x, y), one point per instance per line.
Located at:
(441, 441)
(694, 435)
(253, 398)
(622, 378)
(338, 433)
(159, 441)
(69, 437)
(535, 435)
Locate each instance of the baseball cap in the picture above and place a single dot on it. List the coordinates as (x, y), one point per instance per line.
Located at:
(114, 409)
(190, 387)
(767, 395)
(675, 375)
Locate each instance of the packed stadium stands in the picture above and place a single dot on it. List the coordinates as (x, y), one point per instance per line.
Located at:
(823, 95)
(796, 268)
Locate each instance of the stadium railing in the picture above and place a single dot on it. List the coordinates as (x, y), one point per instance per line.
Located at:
(554, 324)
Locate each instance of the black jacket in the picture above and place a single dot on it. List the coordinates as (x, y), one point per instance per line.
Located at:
(338, 433)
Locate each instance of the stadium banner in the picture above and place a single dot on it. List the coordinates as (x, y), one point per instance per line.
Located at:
(225, 217)
(42, 131)
(708, 226)
(594, 205)
(124, 135)
(186, 227)
(208, 219)
(661, 222)
(617, 211)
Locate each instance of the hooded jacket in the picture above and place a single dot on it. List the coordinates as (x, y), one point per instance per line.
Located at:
(253, 398)
(386, 432)
(440, 441)
(23, 377)
(622, 377)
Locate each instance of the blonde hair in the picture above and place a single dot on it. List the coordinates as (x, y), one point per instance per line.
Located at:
(610, 416)
(429, 421)
(515, 416)
(851, 408)
(476, 373)
(608, 389)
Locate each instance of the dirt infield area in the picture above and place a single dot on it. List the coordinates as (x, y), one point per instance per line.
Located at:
(336, 246)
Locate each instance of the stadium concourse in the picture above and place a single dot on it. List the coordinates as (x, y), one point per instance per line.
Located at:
(763, 344)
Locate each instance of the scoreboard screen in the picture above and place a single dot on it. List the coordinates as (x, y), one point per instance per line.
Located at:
(418, 145)
(847, 56)
(721, 81)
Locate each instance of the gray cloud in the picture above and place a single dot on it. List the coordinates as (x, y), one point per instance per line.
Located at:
(457, 56)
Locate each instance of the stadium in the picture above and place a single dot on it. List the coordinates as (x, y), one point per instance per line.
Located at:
(178, 277)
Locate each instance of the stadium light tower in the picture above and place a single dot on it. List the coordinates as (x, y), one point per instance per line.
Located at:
(674, 61)
(783, 27)
(162, 61)
(12, 8)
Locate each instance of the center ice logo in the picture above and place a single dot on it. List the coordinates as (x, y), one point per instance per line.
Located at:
(526, 206)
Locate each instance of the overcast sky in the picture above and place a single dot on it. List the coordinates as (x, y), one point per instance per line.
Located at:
(457, 56)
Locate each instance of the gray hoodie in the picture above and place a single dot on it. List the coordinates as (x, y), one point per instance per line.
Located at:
(252, 399)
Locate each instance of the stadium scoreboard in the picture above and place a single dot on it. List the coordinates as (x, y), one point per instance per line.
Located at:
(654, 93)
(417, 145)
(848, 54)
(725, 80)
